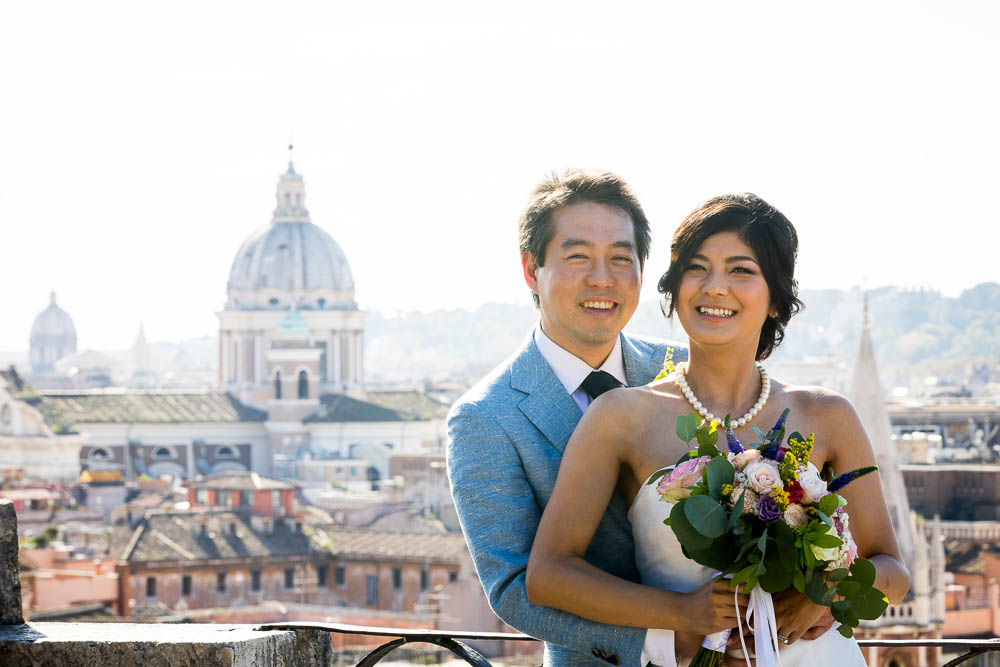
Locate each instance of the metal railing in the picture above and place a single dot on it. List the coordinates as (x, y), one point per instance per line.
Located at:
(449, 639)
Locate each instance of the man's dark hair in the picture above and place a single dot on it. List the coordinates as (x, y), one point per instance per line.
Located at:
(762, 227)
(573, 187)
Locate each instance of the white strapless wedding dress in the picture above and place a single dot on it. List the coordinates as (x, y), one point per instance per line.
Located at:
(661, 563)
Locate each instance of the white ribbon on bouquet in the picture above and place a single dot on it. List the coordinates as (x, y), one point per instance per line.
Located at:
(765, 630)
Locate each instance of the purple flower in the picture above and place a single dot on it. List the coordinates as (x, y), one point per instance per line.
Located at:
(735, 446)
(781, 455)
(767, 509)
(841, 481)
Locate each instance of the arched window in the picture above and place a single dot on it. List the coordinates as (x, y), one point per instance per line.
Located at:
(303, 384)
(99, 454)
(163, 453)
(225, 452)
(272, 301)
(277, 385)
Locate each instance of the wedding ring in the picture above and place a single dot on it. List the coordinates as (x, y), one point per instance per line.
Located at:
(783, 638)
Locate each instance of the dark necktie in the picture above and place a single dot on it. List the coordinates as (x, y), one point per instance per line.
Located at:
(597, 383)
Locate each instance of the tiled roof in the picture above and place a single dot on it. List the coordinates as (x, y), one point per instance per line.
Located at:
(13, 379)
(364, 544)
(240, 481)
(380, 406)
(145, 407)
(167, 536)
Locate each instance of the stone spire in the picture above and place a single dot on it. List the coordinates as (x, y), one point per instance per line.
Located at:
(866, 393)
(291, 195)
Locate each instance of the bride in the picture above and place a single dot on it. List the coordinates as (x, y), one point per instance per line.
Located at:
(731, 284)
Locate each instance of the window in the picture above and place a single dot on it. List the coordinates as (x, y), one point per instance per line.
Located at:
(201, 497)
(298, 526)
(255, 580)
(5, 410)
(425, 579)
(340, 576)
(397, 578)
(225, 452)
(99, 454)
(224, 498)
(289, 577)
(321, 302)
(220, 582)
(276, 499)
(277, 385)
(453, 576)
(232, 529)
(203, 530)
(321, 572)
(246, 499)
(303, 384)
(274, 302)
(151, 587)
(371, 590)
(163, 453)
(186, 585)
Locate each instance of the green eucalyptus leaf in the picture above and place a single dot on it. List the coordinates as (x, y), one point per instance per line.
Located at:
(686, 534)
(870, 604)
(815, 590)
(760, 434)
(825, 541)
(655, 477)
(798, 581)
(719, 471)
(848, 588)
(717, 556)
(736, 513)
(707, 437)
(706, 516)
(838, 575)
(845, 630)
(687, 426)
(828, 596)
(863, 572)
(840, 606)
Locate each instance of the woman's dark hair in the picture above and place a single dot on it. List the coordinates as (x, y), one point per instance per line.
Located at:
(762, 227)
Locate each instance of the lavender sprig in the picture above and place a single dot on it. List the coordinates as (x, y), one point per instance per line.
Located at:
(841, 481)
(774, 437)
(735, 446)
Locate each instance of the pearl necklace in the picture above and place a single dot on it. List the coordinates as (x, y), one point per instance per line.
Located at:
(765, 391)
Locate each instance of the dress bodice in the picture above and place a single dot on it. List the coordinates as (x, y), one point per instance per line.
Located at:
(662, 563)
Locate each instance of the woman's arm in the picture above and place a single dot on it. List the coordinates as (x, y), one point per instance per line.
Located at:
(558, 576)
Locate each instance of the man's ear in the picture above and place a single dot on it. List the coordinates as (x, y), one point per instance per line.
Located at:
(530, 267)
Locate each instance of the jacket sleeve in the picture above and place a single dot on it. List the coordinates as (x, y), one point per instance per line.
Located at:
(499, 516)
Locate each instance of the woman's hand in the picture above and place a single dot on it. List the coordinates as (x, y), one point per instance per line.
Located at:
(714, 607)
(799, 617)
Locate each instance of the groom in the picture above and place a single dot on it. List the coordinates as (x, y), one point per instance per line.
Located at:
(584, 239)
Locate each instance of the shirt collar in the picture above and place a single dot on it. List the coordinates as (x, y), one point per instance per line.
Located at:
(571, 369)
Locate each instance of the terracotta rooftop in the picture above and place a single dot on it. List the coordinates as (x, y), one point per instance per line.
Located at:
(376, 545)
(379, 406)
(69, 409)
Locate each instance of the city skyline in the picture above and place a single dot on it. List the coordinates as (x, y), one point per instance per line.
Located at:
(145, 148)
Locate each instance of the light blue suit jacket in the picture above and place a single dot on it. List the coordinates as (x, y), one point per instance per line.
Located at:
(505, 442)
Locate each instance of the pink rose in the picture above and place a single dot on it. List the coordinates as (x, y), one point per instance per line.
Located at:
(673, 487)
(745, 458)
(750, 499)
(795, 516)
(813, 486)
(761, 476)
(852, 547)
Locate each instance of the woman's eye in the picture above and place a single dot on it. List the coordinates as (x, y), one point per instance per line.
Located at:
(695, 267)
(743, 269)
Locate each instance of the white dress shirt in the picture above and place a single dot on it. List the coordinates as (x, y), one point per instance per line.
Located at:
(571, 371)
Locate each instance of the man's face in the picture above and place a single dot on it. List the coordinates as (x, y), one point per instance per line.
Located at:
(589, 285)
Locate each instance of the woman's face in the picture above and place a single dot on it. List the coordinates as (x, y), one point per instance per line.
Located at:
(723, 296)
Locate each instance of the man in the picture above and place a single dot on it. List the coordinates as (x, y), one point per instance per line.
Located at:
(584, 239)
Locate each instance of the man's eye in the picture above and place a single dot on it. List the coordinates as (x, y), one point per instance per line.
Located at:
(623, 258)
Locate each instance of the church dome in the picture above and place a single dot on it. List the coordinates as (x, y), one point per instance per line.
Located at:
(292, 262)
(53, 336)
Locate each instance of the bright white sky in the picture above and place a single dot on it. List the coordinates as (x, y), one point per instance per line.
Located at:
(140, 143)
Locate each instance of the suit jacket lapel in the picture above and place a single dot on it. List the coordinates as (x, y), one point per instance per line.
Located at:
(547, 405)
(639, 367)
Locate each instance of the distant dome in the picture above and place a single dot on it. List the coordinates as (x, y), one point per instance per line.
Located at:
(292, 262)
(53, 336)
(291, 256)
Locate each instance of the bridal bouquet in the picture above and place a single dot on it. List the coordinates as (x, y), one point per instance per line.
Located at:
(763, 515)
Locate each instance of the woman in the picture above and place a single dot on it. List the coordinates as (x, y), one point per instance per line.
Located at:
(731, 284)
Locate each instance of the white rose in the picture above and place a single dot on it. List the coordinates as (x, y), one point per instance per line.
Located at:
(795, 516)
(761, 476)
(813, 486)
(745, 458)
(750, 499)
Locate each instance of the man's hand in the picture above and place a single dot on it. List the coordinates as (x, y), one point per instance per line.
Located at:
(798, 617)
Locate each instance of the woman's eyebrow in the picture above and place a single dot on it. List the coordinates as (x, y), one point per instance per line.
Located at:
(729, 260)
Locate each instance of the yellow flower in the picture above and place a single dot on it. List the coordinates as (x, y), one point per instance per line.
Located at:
(780, 497)
(668, 365)
(789, 467)
(727, 489)
(802, 450)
